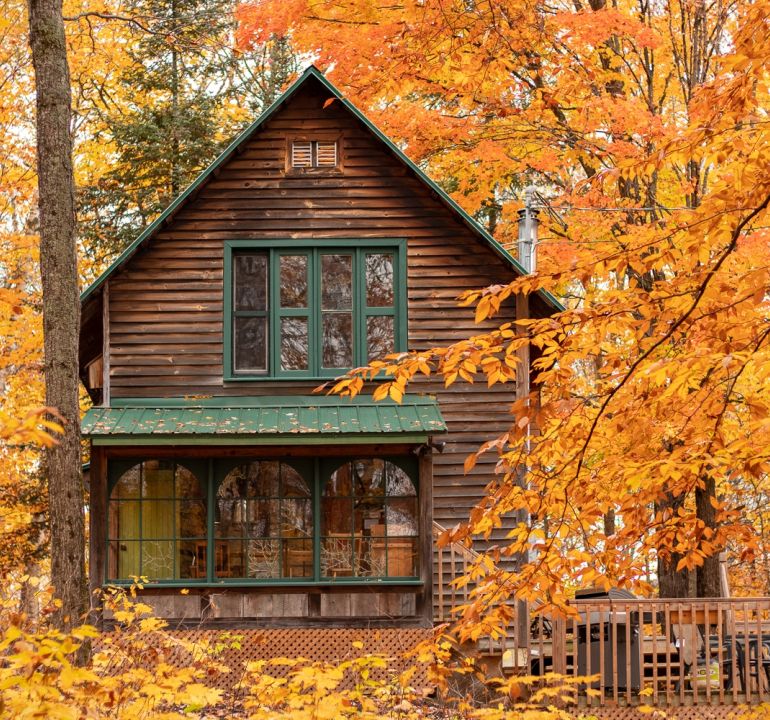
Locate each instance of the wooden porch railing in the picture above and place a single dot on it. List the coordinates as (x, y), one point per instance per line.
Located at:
(661, 652)
(450, 562)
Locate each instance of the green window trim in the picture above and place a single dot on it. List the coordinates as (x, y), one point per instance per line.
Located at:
(211, 474)
(362, 314)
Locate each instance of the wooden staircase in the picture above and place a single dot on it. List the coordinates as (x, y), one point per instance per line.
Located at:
(449, 563)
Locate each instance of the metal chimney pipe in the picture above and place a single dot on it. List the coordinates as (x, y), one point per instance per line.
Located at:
(528, 231)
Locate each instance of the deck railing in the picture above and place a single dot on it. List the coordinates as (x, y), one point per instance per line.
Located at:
(660, 652)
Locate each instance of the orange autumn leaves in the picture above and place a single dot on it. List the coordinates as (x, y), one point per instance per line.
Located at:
(647, 128)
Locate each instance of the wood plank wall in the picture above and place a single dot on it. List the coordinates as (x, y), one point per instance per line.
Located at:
(166, 306)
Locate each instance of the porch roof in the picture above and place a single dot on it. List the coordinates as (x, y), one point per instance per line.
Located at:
(294, 420)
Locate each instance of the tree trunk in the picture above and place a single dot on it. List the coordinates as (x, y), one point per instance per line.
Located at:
(672, 583)
(61, 306)
(708, 581)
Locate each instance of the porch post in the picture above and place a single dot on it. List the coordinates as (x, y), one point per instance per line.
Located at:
(425, 596)
(97, 506)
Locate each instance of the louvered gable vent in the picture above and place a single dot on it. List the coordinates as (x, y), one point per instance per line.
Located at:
(302, 154)
(326, 154)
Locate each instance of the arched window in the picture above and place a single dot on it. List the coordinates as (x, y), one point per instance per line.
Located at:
(264, 523)
(369, 525)
(157, 523)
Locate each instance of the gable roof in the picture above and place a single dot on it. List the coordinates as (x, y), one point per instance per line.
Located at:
(311, 72)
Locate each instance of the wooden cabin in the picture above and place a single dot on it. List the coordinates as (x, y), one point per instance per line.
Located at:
(310, 246)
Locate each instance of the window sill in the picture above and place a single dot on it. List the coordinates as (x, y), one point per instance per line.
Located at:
(315, 172)
(277, 584)
(283, 378)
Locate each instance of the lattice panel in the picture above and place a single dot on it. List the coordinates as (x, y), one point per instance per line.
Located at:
(181, 648)
(696, 712)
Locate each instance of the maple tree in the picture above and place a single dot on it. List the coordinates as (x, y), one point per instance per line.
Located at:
(652, 408)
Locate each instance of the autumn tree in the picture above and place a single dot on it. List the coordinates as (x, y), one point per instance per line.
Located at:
(179, 96)
(644, 126)
(61, 304)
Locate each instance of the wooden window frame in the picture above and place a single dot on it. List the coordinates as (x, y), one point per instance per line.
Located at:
(314, 138)
(359, 249)
(211, 474)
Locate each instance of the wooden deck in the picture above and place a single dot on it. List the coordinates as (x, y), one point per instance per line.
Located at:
(705, 653)
(663, 653)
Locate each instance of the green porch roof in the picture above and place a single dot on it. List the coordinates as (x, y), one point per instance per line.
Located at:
(295, 420)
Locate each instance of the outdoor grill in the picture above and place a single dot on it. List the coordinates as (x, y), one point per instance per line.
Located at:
(608, 627)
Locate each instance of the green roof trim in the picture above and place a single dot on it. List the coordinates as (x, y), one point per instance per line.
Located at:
(295, 420)
(314, 72)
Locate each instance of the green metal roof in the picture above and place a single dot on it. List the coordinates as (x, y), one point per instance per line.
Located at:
(313, 72)
(296, 420)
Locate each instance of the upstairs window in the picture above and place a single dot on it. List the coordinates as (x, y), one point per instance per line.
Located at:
(295, 311)
(314, 154)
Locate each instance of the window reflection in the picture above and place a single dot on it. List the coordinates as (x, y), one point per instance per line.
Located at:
(293, 281)
(369, 524)
(379, 280)
(264, 523)
(294, 343)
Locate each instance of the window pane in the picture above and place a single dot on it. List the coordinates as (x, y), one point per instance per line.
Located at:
(294, 484)
(191, 519)
(370, 558)
(294, 344)
(158, 519)
(397, 482)
(191, 559)
(158, 559)
(124, 519)
(336, 282)
(128, 485)
(187, 485)
(336, 516)
(298, 558)
(158, 479)
(123, 560)
(379, 280)
(264, 518)
(263, 558)
(369, 515)
(250, 290)
(337, 556)
(296, 518)
(380, 336)
(294, 281)
(371, 476)
(401, 517)
(337, 340)
(256, 479)
(402, 557)
(250, 340)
